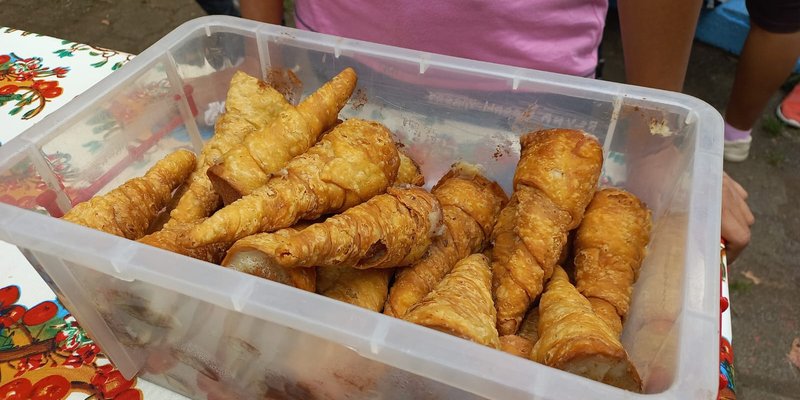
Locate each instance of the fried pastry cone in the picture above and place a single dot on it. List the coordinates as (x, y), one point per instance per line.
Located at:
(572, 338)
(461, 304)
(562, 164)
(249, 106)
(409, 172)
(264, 152)
(606, 311)
(507, 252)
(529, 329)
(170, 237)
(366, 288)
(129, 209)
(609, 249)
(516, 345)
(555, 179)
(388, 230)
(470, 204)
(522, 342)
(259, 264)
(352, 163)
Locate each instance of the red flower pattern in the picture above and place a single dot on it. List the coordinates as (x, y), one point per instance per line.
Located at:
(16, 75)
(110, 382)
(52, 387)
(9, 295)
(25, 78)
(52, 93)
(83, 355)
(130, 394)
(11, 316)
(40, 313)
(8, 89)
(31, 363)
(18, 389)
(60, 71)
(42, 84)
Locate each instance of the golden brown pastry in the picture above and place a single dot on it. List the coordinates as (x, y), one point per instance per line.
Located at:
(128, 210)
(572, 338)
(609, 249)
(366, 288)
(522, 342)
(259, 264)
(388, 230)
(529, 329)
(352, 163)
(506, 252)
(461, 304)
(516, 345)
(170, 237)
(409, 172)
(264, 152)
(606, 311)
(250, 105)
(470, 204)
(563, 164)
(555, 179)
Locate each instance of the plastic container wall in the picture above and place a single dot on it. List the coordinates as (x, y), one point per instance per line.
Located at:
(199, 329)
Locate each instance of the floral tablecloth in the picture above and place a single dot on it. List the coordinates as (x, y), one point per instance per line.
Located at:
(44, 353)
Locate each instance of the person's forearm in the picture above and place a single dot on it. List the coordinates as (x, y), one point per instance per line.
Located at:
(270, 11)
(657, 40)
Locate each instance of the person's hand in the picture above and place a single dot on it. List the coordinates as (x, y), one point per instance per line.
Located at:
(736, 217)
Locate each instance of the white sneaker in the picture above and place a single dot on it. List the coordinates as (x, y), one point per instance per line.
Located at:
(737, 150)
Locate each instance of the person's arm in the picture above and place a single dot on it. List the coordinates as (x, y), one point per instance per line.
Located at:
(270, 11)
(657, 40)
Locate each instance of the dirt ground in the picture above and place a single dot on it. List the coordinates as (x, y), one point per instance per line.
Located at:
(765, 280)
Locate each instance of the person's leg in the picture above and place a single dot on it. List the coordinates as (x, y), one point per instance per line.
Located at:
(767, 60)
(768, 57)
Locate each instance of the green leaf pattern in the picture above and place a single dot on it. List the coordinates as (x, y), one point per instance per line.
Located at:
(25, 96)
(93, 51)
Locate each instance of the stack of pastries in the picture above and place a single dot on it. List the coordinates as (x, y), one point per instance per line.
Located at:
(295, 195)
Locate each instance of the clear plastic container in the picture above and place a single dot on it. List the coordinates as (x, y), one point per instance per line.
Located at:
(197, 328)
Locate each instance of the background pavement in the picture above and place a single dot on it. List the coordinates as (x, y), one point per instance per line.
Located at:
(765, 281)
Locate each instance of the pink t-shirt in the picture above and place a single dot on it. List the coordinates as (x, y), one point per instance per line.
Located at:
(550, 35)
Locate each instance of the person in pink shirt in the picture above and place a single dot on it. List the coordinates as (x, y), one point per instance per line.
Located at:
(509, 32)
(559, 36)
